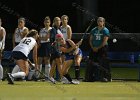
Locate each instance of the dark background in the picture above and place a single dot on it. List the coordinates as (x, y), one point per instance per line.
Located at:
(122, 16)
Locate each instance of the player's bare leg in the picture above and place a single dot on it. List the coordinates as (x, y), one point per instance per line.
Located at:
(77, 61)
(23, 64)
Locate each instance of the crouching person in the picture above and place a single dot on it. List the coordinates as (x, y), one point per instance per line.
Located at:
(31, 75)
(68, 47)
(20, 54)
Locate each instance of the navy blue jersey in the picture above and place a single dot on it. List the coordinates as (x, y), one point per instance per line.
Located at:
(53, 32)
(70, 55)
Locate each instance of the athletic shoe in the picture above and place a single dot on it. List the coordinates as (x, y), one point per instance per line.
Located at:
(10, 78)
(51, 79)
(64, 80)
(75, 82)
(24, 80)
(43, 80)
(35, 79)
(104, 80)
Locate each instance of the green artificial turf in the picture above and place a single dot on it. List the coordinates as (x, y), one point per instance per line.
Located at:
(84, 91)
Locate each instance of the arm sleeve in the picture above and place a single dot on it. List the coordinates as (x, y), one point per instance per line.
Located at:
(106, 32)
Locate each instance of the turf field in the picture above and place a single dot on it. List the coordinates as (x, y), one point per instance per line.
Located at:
(83, 91)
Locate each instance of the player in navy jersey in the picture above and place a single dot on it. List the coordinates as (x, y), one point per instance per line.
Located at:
(55, 54)
(68, 47)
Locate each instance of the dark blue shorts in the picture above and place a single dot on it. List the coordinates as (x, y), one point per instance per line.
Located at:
(71, 57)
(55, 53)
(16, 43)
(17, 55)
(44, 50)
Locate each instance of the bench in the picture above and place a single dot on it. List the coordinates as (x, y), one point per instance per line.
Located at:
(123, 59)
(6, 59)
(120, 59)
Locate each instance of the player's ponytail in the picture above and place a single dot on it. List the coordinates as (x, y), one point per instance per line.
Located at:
(32, 33)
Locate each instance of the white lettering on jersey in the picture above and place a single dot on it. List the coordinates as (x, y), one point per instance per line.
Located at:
(25, 45)
(43, 32)
(17, 34)
(64, 31)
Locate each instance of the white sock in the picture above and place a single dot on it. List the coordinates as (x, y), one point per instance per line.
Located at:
(19, 75)
(1, 72)
(40, 67)
(47, 69)
(30, 75)
(15, 69)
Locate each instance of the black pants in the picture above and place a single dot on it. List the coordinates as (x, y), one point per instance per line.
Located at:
(98, 65)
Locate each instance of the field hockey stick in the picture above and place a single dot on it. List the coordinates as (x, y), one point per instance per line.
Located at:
(33, 67)
(46, 76)
(87, 29)
(31, 64)
(100, 67)
(103, 69)
(85, 33)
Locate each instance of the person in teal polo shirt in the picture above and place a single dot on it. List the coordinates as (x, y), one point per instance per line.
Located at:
(98, 41)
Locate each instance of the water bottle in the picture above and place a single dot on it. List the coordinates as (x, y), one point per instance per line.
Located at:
(132, 59)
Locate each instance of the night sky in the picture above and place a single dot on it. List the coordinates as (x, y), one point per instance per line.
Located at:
(121, 15)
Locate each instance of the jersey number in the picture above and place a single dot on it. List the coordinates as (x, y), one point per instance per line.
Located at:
(98, 37)
(27, 41)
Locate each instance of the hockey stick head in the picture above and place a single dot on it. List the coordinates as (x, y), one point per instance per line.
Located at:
(31, 65)
(53, 81)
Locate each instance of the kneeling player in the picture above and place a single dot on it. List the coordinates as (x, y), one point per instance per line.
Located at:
(31, 75)
(20, 54)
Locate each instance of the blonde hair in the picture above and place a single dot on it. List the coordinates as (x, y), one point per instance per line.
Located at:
(101, 18)
(55, 18)
(32, 33)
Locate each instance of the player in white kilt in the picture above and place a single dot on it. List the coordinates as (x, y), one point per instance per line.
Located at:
(2, 46)
(20, 54)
